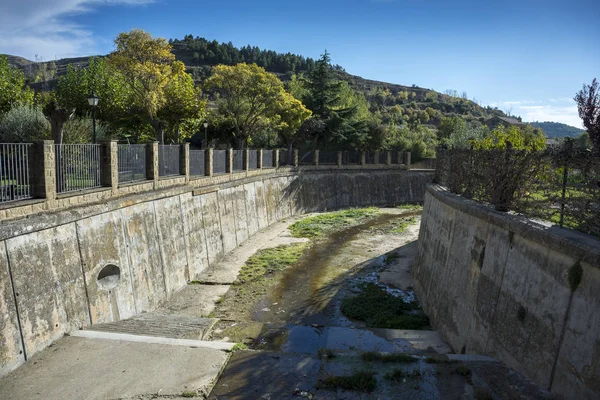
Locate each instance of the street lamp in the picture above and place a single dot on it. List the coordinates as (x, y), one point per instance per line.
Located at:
(205, 134)
(93, 101)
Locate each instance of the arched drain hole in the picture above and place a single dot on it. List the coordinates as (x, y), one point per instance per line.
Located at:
(109, 276)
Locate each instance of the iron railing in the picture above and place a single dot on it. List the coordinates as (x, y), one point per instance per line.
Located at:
(395, 159)
(168, 160)
(267, 159)
(252, 159)
(238, 160)
(197, 162)
(131, 162)
(370, 157)
(306, 158)
(284, 157)
(14, 172)
(328, 157)
(78, 167)
(351, 158)
(219, 161)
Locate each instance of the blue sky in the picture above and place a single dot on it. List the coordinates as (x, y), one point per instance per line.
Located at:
(528, 57)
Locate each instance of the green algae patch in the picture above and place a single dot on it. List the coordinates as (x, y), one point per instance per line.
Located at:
(379, 309)
(363, 381)
(321, 225)
(269, 261)
(388, 358)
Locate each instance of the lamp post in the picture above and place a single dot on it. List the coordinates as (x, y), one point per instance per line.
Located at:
(93, 101)
(205, 134)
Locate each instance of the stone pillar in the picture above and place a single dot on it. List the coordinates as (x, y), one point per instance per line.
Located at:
(316, 158)
(246, 159)
(184, 161)
(42, 170)
(363, 158)
(376, 160)
(208, 162)
(276, 158)
(295, 158)
(388, 158)
(340, 158)
(408, 160)
(229, 161)
(152, 163)
(259, 158)
(109, 169)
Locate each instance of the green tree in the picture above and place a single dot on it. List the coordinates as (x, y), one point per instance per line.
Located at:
(292, 114)
(12, 87)
(23, 123)
(526, 138)
(588, 105)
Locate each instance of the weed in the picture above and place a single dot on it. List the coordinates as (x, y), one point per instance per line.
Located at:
(320, 225)
(398, 375)
(189, 394)
(238, 347)
(267, 261)
(410, 207)
(400, 226)
(438, 360)
(393, 358)
(363, 381)
(379, 309)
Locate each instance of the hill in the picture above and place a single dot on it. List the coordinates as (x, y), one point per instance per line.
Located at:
(557, 130)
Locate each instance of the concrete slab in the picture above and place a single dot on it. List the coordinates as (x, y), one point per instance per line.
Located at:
(126, 337)
(168, 326)
(194, 300)
(87, 369)
(426, 341)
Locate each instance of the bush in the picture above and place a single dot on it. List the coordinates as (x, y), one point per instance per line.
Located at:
(79, 130)
(24, 124)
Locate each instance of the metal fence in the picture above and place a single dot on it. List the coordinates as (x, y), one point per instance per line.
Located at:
(197, 162)
(560, 185)
(370, 157)
(305, 158)
(78, 167)
(252, 159)
(168, 160)
(351, 157)
(328, 157)
(14, 172)
(267, 159)
(219, 161)
(284, 157)
(131, 162)
(238, 160)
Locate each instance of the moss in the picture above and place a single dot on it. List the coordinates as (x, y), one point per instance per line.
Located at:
(379, 309)
(238, 347)
(320, 225)
(388, 358)
(575, 275)
(268, 261)
(189, 394)
(363, 381)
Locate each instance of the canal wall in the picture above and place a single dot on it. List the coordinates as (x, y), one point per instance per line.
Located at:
(501, 285)
(110, 260)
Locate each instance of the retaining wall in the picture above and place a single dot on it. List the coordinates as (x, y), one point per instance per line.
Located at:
(523, 292)
(111, 260)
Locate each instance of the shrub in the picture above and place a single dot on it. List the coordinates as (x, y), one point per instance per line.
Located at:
(24, 123)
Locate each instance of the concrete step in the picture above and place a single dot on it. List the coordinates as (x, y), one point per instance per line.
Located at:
(157, 325)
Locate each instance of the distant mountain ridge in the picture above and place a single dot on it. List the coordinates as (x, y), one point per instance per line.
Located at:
(557, 130)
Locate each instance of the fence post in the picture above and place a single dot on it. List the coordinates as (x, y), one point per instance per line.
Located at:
(388, 158)
(376, 157)
(208, 162)
(408, 156)
(340, 157)
(42, 170)
(259, 158)
(316, 157)
(246, 159)
(229, 161)
(276, 158)
(184, 161)
(152, 163)
(363, 158)
(109, 169)
(295, 159)
(563, 195)
(399, 160)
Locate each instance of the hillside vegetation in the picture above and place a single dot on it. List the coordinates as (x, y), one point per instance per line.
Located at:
(557, 130)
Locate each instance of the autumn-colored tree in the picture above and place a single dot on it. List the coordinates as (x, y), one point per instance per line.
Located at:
(12, 87)
(526, 138)
(588, 105)
(292, 114)
(248, 97)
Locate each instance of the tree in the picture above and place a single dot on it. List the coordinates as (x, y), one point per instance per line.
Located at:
(248, 96)
(292, 114)
(588, 105)
(23, 123)
(451, 126)
(148, 64)
(500, 138)
(12, 87)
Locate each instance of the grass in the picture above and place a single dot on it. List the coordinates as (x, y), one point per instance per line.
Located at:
(321, 225)
(388, 358)
(189, 394)
(363, 381)
(400, 226)
(379, 309)
(397, 375)
(410, 207)
(268, 261)
(238, 347)
(437, 360)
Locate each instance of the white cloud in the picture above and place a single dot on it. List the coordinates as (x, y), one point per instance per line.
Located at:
(562, 110)
(41, 27)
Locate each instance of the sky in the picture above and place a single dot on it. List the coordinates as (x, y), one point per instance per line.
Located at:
(526, 57)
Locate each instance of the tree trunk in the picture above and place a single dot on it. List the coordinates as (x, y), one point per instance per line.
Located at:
(58, 117)
(159, 128)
